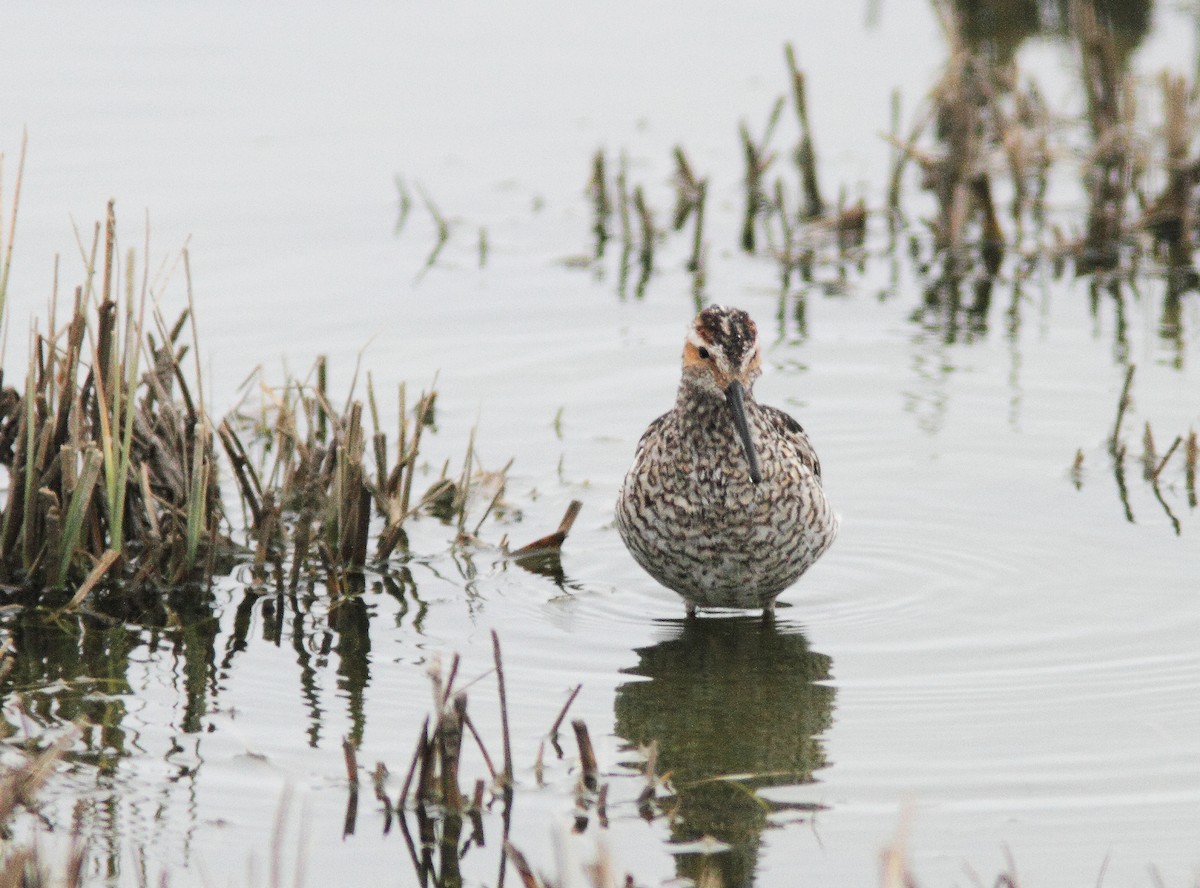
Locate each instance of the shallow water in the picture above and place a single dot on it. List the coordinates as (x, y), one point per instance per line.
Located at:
(989, 658)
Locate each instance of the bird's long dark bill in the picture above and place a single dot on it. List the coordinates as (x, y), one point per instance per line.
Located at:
(735, 396)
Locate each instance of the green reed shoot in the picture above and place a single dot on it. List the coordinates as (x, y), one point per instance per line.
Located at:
(30, 436)
(197, 514)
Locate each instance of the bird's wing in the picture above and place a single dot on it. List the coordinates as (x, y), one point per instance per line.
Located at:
(793, 430)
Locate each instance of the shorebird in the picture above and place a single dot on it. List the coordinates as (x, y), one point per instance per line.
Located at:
(723, 503)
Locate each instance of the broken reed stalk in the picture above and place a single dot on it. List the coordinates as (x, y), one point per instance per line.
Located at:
(562, 713)
(601, 205)
(508, 764)
(521, 865)
(487, 759)
(422, 740)
(404, 204)
(450, 734)
(696, 261)
(443, 231)
(587, 756)
(1166, 456)
(435, 772)
(622, 185)
(686, 186)
(646, 230)
(552, 734)
(350, 753)
(1191, 458)
(1122, 406)
(554, 541)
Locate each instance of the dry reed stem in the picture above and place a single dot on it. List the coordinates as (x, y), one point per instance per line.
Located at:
(1166, 456)
(418, 753)
(587, 755)
(508, 763)
(521, 865)
(1122, 405)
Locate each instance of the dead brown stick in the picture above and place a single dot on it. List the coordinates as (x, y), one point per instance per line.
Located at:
(487, 759)
(521, 865)
(1122, 406)
(554, 541)
(563, 712)
(412, 768)
(553, 732)
(508, 766)
(1193, 456)
(449, 689)
(449, 732)
(351, 755)
(587, 755)
(1166, 456)
(97, 573)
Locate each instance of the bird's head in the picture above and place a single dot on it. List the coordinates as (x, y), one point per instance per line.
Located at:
(721, 359)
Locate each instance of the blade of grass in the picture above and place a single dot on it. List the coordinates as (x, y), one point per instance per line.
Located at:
(197, 499)
(123, 400)
(30, 459)
(80, 497)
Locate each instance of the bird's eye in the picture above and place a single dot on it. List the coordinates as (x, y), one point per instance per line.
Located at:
(703, 353)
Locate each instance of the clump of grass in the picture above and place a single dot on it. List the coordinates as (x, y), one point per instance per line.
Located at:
(433, 793)
(112, 465)
(432, 786)
(805, 154)
(630, 200)
(325, 491)
(757, 161)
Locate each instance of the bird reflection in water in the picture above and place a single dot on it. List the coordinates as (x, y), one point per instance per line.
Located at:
(734, 705)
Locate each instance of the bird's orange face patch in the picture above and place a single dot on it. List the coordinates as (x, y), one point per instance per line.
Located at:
(695, 363)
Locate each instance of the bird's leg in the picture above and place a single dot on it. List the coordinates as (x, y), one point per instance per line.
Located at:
(769, 610)
(691, 610)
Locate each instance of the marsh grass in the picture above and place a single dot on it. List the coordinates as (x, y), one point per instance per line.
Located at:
(115, 466)
(110, 455)
(984, 145)
(450, 821)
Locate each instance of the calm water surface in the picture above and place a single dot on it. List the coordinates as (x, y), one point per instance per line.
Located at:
(992, 656)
